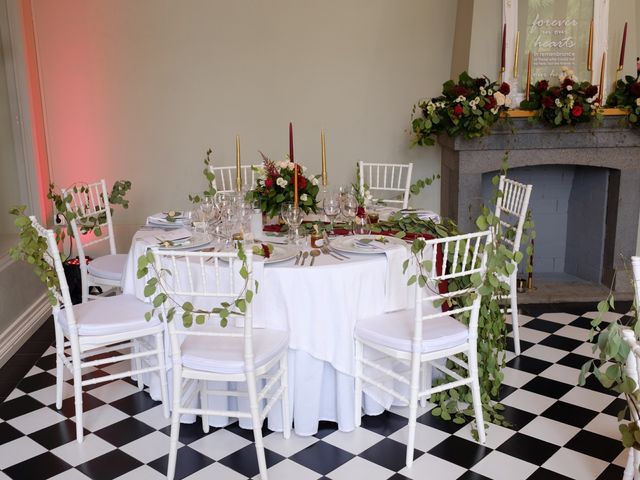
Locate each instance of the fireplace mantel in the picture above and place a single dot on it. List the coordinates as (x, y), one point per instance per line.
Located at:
(610, 145)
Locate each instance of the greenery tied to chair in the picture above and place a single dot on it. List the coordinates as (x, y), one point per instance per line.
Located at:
(609, 367)
(88, 223)
(154, 288)
(455, 404)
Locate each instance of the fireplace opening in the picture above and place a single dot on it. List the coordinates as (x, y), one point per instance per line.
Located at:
(574, 209)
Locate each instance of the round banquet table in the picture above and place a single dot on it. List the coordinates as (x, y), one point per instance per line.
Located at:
(319, 306)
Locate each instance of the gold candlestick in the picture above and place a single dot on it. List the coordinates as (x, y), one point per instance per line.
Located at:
(528, 76)
(324, 158)
(515, 58)
(238, 168)
(601, 86)
(590, 48)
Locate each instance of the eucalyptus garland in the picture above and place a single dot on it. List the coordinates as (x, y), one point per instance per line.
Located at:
(210, 177)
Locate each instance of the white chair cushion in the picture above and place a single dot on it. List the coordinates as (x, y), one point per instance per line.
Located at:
(395, 330)
(109, 267)
(109, 315)
(226, 354)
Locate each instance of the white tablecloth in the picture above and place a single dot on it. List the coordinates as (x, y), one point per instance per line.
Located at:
(319, 306)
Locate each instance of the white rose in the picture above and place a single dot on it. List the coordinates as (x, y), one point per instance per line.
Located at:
(569, 88)
(483, 91)
(283, 164)
(490, 92)
(558, 103)
(460, 99)
(281, 182)
(290, 165)
(590, 100)
(494, 110)
(304, 197)
(314, 181)
(500, 98)
(638, 101)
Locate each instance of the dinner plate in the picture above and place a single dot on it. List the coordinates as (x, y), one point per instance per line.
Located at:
(161, 219)
(349, 243)
(195, 241)
(281, 253)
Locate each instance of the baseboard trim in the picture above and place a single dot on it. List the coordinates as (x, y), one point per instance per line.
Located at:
(23, 327)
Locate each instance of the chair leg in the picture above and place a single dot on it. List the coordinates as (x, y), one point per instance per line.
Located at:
(257, 425)
(514, 312)
(475, 393)
(77, 393)
(358, 384)
(162, 371)
(204, 402)
(175, 423)
(59, 366)
(413, 406)
(425, 382)
(286, 417)
(136, 363)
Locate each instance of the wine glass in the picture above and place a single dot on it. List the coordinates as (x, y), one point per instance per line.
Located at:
(331, 206)
(349, 208)
(292, 216)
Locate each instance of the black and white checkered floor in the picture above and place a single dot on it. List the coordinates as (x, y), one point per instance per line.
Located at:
(560, 430)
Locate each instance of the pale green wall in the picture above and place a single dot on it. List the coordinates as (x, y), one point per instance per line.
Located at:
(9, 192)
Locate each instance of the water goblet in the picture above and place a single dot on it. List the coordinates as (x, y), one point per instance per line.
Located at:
(349, 208)
(331, 206)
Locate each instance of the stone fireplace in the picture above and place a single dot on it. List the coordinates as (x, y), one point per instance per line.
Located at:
(586, 191)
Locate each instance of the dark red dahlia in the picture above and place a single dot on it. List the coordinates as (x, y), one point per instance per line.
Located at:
(505, 89)
(542, 86)
(634, 89)
(547, 101)
(481, 82)
(460, 90)
(591, 91)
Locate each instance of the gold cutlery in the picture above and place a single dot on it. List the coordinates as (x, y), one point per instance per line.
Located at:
(314, 254)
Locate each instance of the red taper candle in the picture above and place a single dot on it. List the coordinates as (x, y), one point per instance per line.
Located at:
(295, 185)
(504, 48)
(291, 142)
(622, 47)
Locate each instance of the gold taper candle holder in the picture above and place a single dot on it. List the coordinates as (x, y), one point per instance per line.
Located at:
(238, 168)
(515, 58)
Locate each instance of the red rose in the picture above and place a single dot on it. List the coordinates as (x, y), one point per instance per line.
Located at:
(634, 89)
(491, 103)
(567, 82)
(457, 110)
(505, 89)
(547, 101)
(360, 213)
(542, 86)
(591, 91)
(268, 182)
(302, 182)
(577, 110)
(459, 90)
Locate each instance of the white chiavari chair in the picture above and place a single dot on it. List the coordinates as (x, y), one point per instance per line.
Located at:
(225, 180)
(511, 211)
(632, 370)
(391, 178)
(105, 325)
(208, 352)
(88, 202)
(422, 340)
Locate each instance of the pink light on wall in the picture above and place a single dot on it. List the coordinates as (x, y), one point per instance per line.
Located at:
(35, 103)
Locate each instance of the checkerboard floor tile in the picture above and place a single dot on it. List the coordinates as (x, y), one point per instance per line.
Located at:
(559, 430)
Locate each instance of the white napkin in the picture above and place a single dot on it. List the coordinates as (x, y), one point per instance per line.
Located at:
(161, 219)
(396, 281)
(173, 235)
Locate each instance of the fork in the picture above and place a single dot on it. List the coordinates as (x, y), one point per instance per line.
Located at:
(326, 251)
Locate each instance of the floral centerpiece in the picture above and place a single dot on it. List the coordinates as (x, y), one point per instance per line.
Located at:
(274, 187)
(469, 107)
(568, 103)
(627, 95)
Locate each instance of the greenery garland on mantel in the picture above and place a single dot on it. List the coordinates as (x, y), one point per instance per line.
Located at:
(472, 106)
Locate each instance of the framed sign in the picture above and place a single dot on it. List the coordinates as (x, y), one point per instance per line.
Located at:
(557, 34)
